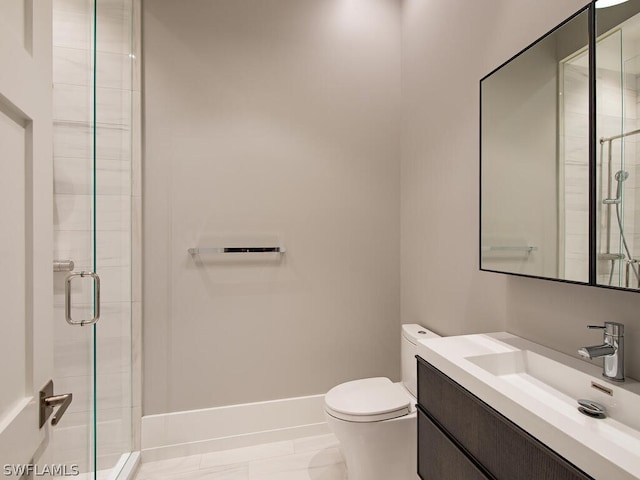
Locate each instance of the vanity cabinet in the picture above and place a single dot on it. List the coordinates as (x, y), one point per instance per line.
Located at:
(461, 437)
(439, 457)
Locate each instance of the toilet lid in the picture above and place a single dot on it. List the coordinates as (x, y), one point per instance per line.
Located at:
(368, 400)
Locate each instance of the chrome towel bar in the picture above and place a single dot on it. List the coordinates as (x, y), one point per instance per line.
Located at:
(200, 251)
(509, 249)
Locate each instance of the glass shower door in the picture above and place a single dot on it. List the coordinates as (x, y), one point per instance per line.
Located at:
(74, 439)
(113, 76)
(92, 217)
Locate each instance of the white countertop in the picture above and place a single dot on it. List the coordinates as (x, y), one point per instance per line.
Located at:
(603, 448)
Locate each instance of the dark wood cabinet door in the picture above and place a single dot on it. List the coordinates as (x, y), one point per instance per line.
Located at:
(439, 458)
(505, 451)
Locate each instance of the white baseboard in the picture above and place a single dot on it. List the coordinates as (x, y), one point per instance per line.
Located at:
(193, 432)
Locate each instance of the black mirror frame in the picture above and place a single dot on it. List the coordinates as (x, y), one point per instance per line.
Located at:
(592, 280)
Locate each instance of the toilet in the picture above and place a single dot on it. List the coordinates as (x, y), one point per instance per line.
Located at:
(375, 419)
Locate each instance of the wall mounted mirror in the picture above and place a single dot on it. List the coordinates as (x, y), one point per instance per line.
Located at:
(534, 216)
(550, 206)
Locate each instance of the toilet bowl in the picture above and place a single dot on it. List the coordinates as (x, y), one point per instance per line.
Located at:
(375, 419)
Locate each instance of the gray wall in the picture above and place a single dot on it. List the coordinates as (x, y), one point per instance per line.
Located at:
(441, 284)
(270, 121)
(281, 119)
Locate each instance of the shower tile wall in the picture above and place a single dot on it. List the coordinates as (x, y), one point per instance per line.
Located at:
(617, 112)
(117, 218)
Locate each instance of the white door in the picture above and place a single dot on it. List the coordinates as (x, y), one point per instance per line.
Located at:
(26, 213)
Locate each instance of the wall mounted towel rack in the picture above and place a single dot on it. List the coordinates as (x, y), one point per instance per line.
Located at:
(214, 250)
(527, 249)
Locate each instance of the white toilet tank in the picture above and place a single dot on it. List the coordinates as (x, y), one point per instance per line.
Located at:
(411, 333)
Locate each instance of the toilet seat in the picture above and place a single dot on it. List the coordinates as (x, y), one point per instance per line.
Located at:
(368, 400)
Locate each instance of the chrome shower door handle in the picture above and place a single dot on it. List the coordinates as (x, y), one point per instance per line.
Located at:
(67, 298)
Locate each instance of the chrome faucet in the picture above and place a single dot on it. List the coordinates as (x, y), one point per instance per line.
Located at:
(612, 350)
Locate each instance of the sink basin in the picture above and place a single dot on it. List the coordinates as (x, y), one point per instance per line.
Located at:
(538, 388)
(559, 384)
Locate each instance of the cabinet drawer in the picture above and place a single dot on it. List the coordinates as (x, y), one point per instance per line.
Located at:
(503, 448)
(439, 457)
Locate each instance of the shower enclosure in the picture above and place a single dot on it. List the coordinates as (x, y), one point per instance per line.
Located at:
(618, 81)
(95, 163)
(617, 161)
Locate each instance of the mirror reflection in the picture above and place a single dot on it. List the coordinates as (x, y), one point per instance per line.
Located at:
(535, 159)
(618, 134)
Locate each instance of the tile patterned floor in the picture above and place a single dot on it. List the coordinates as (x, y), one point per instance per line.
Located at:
(310, 458)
